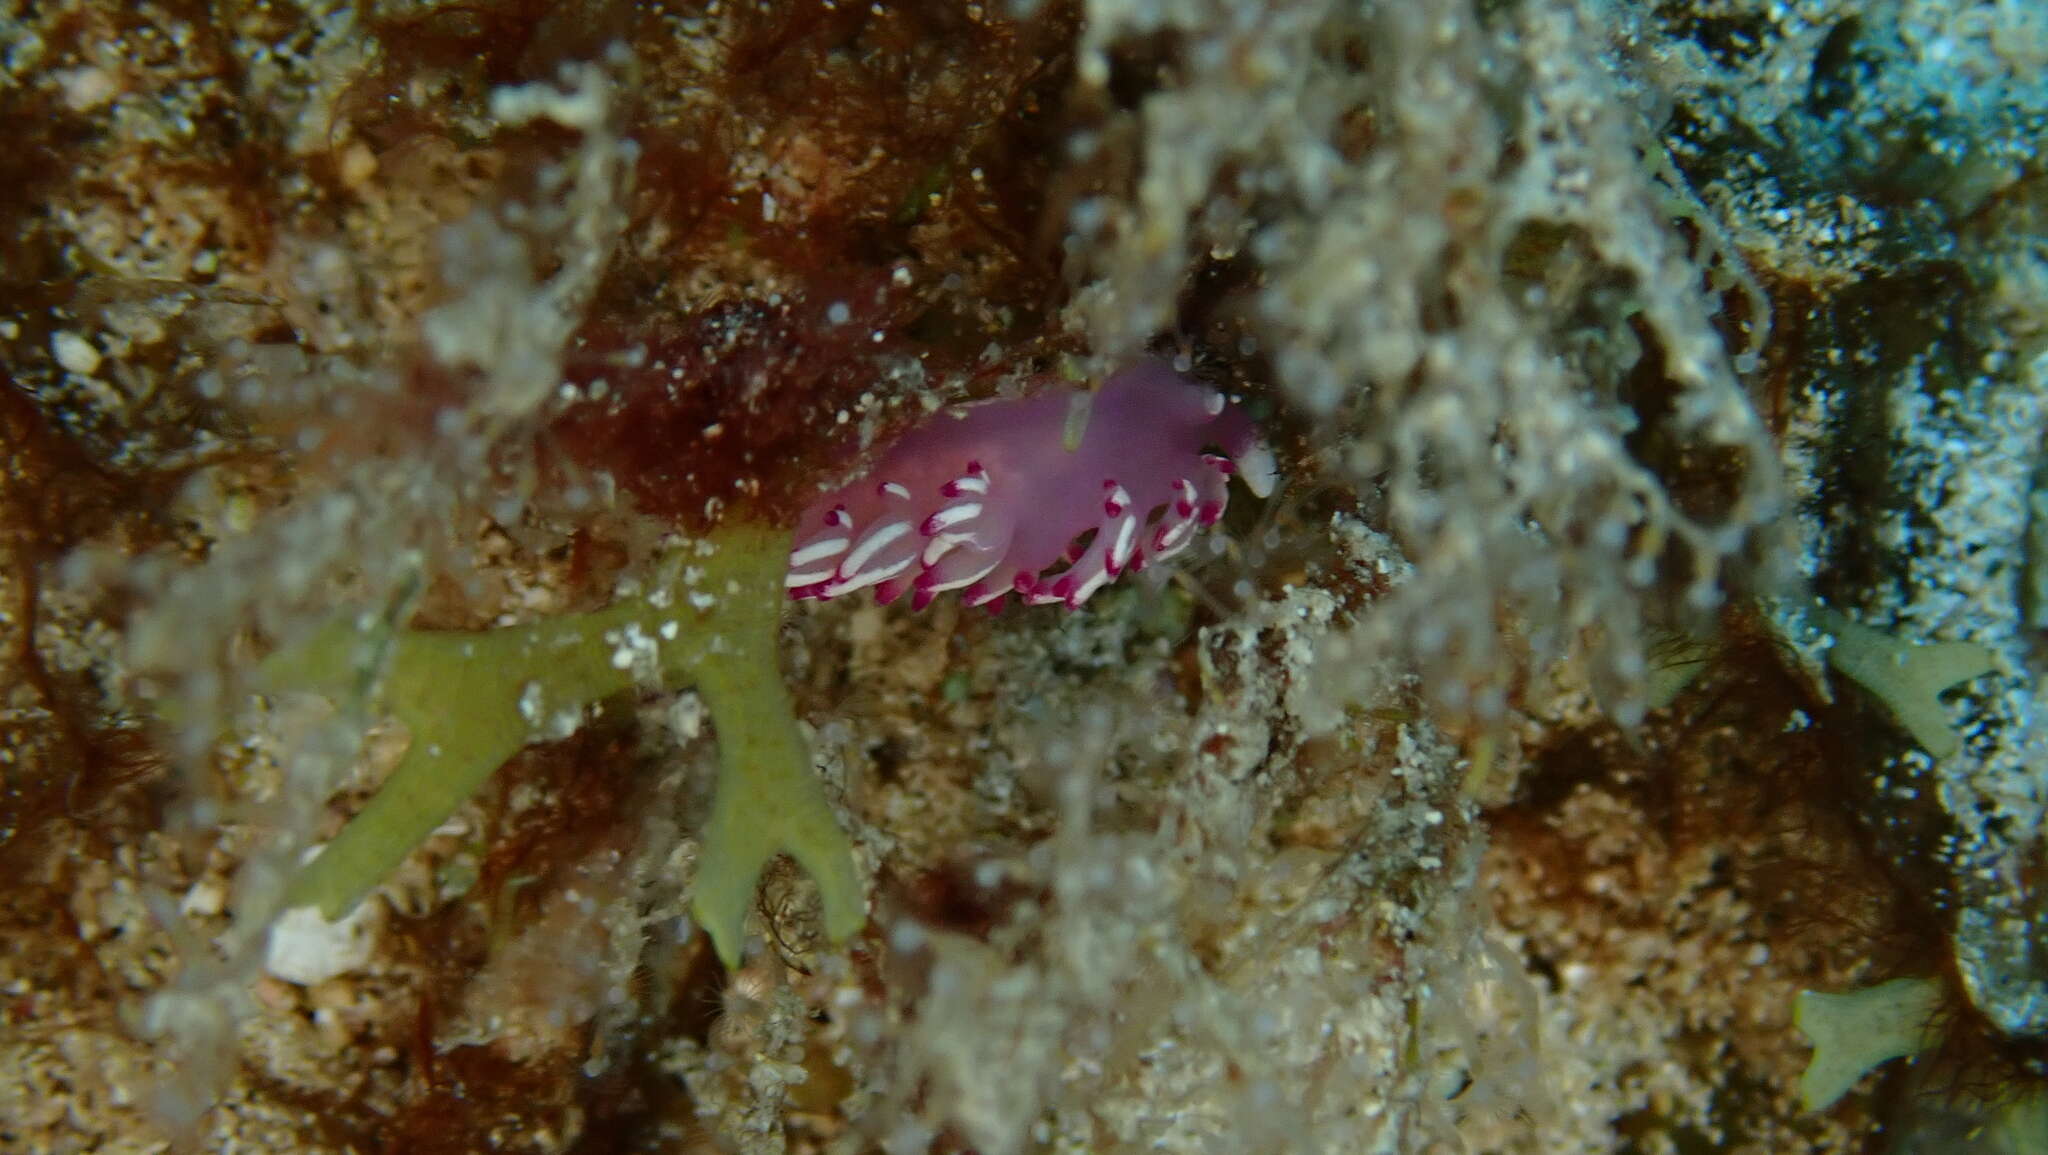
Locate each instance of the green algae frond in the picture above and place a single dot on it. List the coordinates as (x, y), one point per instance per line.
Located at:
(1908, 678)
(1855, 1031)
(470, 700)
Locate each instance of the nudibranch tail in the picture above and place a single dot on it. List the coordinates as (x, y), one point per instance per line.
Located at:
(990, 501)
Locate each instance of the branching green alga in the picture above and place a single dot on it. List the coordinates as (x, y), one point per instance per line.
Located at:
(470, 700)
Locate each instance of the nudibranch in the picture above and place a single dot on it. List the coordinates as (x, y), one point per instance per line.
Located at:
(990, 499)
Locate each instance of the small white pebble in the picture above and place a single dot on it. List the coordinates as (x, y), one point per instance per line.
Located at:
(358, 165)
(208, 896)
(307, 949)
(86, 89)
(686, 716)
(74, 352)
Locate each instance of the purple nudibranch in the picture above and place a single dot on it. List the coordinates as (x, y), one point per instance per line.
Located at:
(987, 499)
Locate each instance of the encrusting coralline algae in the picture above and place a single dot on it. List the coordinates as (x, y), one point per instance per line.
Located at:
(440, 436)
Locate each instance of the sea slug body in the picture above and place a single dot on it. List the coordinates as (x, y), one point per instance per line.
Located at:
(989, 500)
